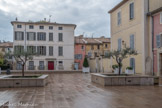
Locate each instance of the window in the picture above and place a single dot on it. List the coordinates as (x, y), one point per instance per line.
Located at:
(82, 47)
(60, 37)
(60, 51)
(31, 65)
(19, 65)
(98, 46)
(31, 36)
(132, 63)
(50, 50)
(19, 35)
(41, 27)
(31, 27)
(159, 41)
(119, 18)
(41, 36)
(131, 9)
(31, 49)
(89, 54)
(119, 44)
(19, 26)
(50, 27)
(50, 36)
(132, 42)
(41, 50)
(78, 56)
(161, 18)
(105, 45)
(19, 49)
(60, 62)
(41, 65)
(60, 28)
(92, 47)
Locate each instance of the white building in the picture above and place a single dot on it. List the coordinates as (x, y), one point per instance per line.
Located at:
(53, 41)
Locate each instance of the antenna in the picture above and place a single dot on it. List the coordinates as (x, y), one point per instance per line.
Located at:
(50, 17)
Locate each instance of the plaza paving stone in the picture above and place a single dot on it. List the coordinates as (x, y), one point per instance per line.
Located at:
(77, 91)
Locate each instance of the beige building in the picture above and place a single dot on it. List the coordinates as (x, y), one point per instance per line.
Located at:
(129, 28)
(54, 42)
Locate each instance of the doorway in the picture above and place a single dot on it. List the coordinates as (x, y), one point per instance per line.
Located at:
(161, 64)
(50, 65)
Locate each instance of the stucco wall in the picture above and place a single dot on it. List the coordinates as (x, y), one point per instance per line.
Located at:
(67, 44)
(137, 26)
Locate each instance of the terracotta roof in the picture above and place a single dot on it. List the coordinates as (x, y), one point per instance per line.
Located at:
(79, 40)
(83, 40)
(6, 44)
(118, 5)
(42, 22)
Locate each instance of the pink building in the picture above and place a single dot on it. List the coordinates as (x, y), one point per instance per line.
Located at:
(157, 41)
(80, 52)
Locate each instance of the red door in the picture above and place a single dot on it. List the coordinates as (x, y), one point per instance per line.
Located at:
(50, 65)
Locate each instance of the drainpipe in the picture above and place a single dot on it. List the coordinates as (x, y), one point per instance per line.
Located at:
(153, 42)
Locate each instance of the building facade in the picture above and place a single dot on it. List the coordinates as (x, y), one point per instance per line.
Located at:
(155, 31)
(80, 52)
(92, 48)
(53, 42)
(129, 26)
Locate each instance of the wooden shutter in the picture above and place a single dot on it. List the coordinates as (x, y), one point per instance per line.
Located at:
(38, 49)
(22, 35)
(34, 36)
(27, 35)
(38, 36)
(158, 41)
(44, 50)
(119, 44)
(132, 42)
(45, 36)
(131, 6)
(132, 63)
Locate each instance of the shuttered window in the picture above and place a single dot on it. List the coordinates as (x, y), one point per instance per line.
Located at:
(60, 28)
(31, 49)
(19, 26)
(31, 27)
(60, 37)
(31, 36)
(132, 42)
(50, 50)
(50, 27)
(119, 18)
(119, 44)
(41, 27)
(60, 51)
(41, 50)
(158, 41)
(78, 56)
(18, 49)
(131, 9)
(41, 36)
(132, 63)
(19, 35)
(50, 36)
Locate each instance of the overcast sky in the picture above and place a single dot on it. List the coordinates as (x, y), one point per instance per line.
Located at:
(90, 16)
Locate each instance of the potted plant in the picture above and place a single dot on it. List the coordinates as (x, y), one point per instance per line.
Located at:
(116, 69)
(129, 70)
(85, 65)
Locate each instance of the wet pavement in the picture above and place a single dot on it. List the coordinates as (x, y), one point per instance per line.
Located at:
(77, 91)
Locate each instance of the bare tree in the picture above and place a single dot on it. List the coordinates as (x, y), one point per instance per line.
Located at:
(22, 56)
(120, 55)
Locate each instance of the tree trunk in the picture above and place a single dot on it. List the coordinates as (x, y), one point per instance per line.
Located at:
(23, 70)
(119, 69)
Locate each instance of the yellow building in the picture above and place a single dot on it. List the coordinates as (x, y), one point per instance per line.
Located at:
(129, 28)
(96, 47)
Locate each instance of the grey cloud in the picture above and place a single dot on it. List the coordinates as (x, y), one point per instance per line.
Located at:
(90, 16)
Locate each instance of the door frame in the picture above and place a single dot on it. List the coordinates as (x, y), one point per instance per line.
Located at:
(53, 65)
